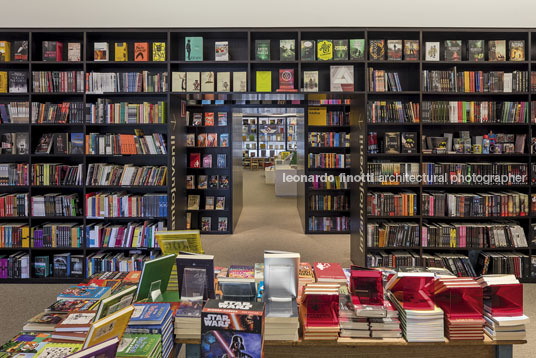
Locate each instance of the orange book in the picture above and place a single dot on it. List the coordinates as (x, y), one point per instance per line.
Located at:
(141, 51)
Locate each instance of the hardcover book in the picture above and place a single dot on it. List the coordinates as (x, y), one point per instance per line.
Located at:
(25, 343)
(224, 140)
(5, 51)
(101, 51)
(411, 50)
(109, 327)
(77, 266)
(475, 50)
(121, 52)
(224, 182)
(324, 50)
(206, 223)
(20, 50)
(222, 119)
(61, 142)
(286, 80)
(195, 273)
(202, 140)
(193, 49)
(58, 350)
(178, 81)
(341, 78)
(308, 50)
(209, 119)
(74, 50)
(453, 50)
(220, 203)
(497, 50)
(409, 142)
(432, 51)
(209, 203)
(77, 143)
(394, 50)
(193, 82)
(329, 272)
(18, 82)
(140, 345)
(212, 139)
(222, 161)
(517, 50)
(207, 160)
(52, 51)
(159, 51)
(240, 82)
(141, 51)
(190, 182)
(84, 293)
(222, 223)
(262, 50)
(203, 182)
(392, 142)
(224, 82)
(287, 50)
(357, 49)
(236, 328)
(116, 302)
(377, 50)
(221, 49)
(207, 81)
(340, 50)
(264, 81)
(195, 160)
(106, 349)
(310, 81)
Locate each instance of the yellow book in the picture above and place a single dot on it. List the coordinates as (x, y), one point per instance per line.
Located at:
(264, 81)
(135, 238)
(58, 350)
(110, 326)
(25, 236)
(159, 51)
(121, 51)
(317, 116)
(3, 82)
(467, 83)
(324, 50)
(5, 51)
(171, 242)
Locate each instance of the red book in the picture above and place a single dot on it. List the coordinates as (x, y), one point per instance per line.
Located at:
(286, 81)
(195, 160)
(141, 51)
(329, 272)
(366, 284)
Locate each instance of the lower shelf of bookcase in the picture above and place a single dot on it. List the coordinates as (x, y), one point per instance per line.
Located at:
(44, 280)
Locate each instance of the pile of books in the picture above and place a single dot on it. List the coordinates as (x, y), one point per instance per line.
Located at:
(155, 319)
(319, 311)
(350, 324)
(140, 345)
(188, 319)
(503, 307)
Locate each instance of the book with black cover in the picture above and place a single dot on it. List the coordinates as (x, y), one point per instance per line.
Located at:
(18, 82)
(411, 50)
(392, 142)
(475, 50)
(22, 143)
(202, 262)
(394, 50)
(20, 50)
(453, 50)
(340, 50)
(45, 144)
(62, 265)
(77, 266)
(377, 49)
(409, 142)
(61, 143)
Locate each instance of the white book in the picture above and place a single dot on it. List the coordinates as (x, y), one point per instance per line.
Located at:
(507, 82)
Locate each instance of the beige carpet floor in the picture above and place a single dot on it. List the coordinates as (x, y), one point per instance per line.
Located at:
(267, 222)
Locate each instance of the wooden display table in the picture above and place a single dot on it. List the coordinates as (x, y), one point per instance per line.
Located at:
(387, 347)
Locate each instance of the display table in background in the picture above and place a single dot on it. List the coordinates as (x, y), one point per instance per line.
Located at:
(388, 347)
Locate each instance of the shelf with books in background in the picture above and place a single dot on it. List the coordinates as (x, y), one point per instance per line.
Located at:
(471, 119)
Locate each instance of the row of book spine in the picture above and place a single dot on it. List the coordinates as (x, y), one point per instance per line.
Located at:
(145, 81)
(134, 235)
(475, 81)
(57, 235)
(108, 262)
(329, 139)
(393, 112)
(13, 205)
(326, 182)
(52, 174)
(329, 202)
(475, 112)
(329, 223)
(104, 111)
(14, 174)
(121, 204)
(401, 173)
(125, 175)
(54, 204)
(392, 204)
(58, 81)
(384, 81)
(496, 173)
(125, 144)
(388, 234)
(14, 112)
(328, 160)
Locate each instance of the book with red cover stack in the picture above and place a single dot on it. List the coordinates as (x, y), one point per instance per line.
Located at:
(319, 311)
(329, 272)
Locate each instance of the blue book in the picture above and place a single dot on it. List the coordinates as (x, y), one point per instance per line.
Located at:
(84, 293)
(149, 313)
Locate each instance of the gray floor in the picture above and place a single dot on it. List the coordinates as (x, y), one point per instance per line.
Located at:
(266, 222)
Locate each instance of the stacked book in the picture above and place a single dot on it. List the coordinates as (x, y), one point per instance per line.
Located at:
(281, 328)
(503, 307)
(350, 324)
(421, 325)
(153, 319)
(319, 311)
(140, 345)
(305, 275)
(74, 327)
(188, 320)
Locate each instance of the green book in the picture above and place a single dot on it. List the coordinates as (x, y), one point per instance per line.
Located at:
(116, 302)
(139, 345)
(264, 81)
(357, 49)
(340, 50)
(262, 50)
(193, 49)
(153, 271)
(308, 50)
(287, 50)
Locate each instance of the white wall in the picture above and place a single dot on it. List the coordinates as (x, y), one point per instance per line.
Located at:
(267, 13)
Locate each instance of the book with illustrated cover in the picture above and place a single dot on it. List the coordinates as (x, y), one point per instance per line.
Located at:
(224, 82)
(392, 142)
(76, 322)
(84, 293)
(394, 50)
(77, 266)
(195, 160)
(310, 81)
(202, 140)
(64, 306)
(193, 82)
(197, 120)
(308, 50)
(497, 50)
(262, 50)
(411, 50)
(190, 140)
(357, 49)
(409, 142)
(209, 203)
(432, 51)
(221, 49)
(5, 51)
(286, 80)
(101, 51)
(209, 119)
(51, 350)
(121, 51)
(287, 50)
(222, 161)
(7, 143)
(206, 223)
(207, 81)
(193, 49)
(220, 203)
(189, 308)
(203, 182)
(453, 50)
(111, 326)
(61, 143)
(20, 50)
(190, 182)
(18, 82)
(159, 51)
(52, 51)
(324, 49)
(140, 345)
(106, 349)
(212, 139)
(45, 143)
(224, 140)
(264, 81)
(193, 202)
(61, 265)
(74, 50)
(341, 78)
(340, 50)
(517, 50)
(116, 302)
(240, 83)
(224, 182)
(207, 160)
(377, 50)
(178, 81)
(222, 223)
(222, 119)
(213, 182)
(22, 143)
(25, 343)
(475, 50)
